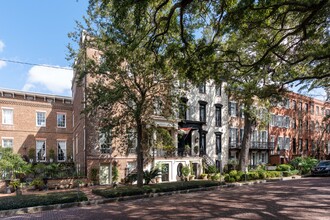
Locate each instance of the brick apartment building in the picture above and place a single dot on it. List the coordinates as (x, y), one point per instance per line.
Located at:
(300, 126)
(36, 121)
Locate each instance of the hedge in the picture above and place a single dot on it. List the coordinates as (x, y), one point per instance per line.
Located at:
(23, 201)
(153, 188)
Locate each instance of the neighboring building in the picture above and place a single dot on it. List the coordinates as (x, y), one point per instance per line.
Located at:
(260, 147)
(299, 126)
(36, 121)
(199, 136)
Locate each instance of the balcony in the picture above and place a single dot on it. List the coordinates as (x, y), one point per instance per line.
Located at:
(254, 145)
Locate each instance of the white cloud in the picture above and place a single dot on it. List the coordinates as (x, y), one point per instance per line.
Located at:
(2, 64)
(50, 80)
(2, 45)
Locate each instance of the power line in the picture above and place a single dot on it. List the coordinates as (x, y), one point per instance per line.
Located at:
(34, 64)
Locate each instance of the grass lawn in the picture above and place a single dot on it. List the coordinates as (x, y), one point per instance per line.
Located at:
(153, 188)
(23, 201)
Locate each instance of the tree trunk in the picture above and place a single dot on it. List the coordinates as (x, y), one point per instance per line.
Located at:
(139, 153)
(246, 143)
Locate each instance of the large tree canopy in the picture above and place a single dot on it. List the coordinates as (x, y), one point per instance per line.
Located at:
(288, 39)
(257, 47)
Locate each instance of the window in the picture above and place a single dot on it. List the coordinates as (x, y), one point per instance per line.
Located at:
(41, 119)
(306, 144)
(327, 112)
(287, 122)
(202, 149)
(232, 109)
(241, 111)
(131, 141)
(273, 120)
(218, 143)
(300, 144)
(61, 150)
(287, 143)
(300, 124)
(202, 88)
(294, 124)
(306, 125)
(183, 108)
(7, 116)
(294, 105)
(286, 103)
(61, 120)
(294, 146)
(218, 115)
(218, 90)
(280, 142)
(241, 135)
(306, 107)
(7, 143)
(41, 150)
(317, 110)
(233, 136)
(158, 106)
(312, 126)
(300, 106)
(105, 142)
(312, 109)
(202, 111)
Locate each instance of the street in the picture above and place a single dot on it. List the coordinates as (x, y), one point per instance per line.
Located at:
(306, 198)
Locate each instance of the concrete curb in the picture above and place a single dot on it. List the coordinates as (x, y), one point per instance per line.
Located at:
(35, 209)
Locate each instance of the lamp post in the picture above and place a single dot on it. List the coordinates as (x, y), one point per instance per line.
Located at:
(220, 161)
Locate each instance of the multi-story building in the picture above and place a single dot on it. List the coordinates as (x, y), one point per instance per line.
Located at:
(299, 126)
(37, 123)
(260, 146)
(199, 134)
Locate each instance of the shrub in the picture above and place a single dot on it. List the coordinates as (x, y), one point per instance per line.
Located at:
(212, 169)
(237, 177)
(226, 177)
(262, 174)
(284, 167)
(38, 183)
(304, 164)
(149, 175)
(215, 177)
(231, 180)
(233, 173)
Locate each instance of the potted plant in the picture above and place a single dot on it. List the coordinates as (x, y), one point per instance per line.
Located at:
(51, 155)
(32, 154)
(203, 176)
(186, 172)
(187, 149)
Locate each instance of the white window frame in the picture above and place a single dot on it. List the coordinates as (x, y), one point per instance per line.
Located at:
(7, 139)
(233, 109)
(10, 122)
(60, 148)
(60, 114)
(38, 148)
(41, 124)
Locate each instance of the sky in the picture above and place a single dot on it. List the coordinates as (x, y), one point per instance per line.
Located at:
(36, 32)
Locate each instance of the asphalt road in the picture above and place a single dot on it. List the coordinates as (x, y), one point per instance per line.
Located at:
(307, 198)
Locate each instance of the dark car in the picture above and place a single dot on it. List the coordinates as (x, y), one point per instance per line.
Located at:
(322, 168)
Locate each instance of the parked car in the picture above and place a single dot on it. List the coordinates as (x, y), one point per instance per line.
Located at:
(322, 168)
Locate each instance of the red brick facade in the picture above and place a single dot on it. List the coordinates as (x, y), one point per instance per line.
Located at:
(22, 131)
